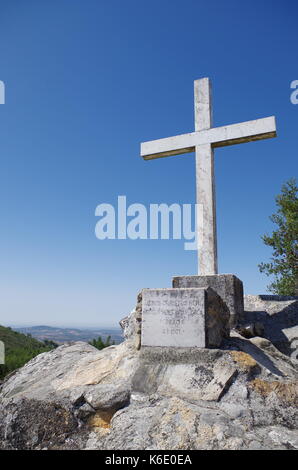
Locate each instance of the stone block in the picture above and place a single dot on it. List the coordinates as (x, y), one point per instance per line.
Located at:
(182, 318)
(227, 286)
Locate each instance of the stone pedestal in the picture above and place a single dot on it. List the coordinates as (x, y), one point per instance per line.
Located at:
(185, 318)
(227, 286)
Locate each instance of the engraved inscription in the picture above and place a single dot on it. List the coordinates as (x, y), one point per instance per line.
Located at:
(173, 317)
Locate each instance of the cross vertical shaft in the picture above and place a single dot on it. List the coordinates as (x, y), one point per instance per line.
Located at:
(202, 142)
(205, 183)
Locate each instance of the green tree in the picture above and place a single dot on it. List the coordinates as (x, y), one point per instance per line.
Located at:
(19, 349)
(284, 242)
(101, 344)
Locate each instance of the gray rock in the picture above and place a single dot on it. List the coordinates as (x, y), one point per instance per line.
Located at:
(278, 316)
(223, 376)
(234, 410)
(108, 396)
(227, 286)
(242, 396)
(250, 330)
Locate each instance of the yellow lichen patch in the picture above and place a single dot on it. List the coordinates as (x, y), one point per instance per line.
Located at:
(244, 360)
(287, 392)
(101, 419)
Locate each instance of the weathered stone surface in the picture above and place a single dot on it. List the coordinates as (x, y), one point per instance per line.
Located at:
(34, 424)
(108, 396)
(77, 397)
(227, 286)
(279, 318)
(223, 376)
(183, 318)
(217, 136)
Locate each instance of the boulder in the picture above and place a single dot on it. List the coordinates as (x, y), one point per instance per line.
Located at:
(243, 395)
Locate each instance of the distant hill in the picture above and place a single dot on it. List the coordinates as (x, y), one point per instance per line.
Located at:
(19, 349)
(63, 335)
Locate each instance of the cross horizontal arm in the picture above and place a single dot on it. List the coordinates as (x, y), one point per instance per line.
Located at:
(217, 136)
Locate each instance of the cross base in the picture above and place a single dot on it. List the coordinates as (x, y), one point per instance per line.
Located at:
(227, 286)
(183, 318)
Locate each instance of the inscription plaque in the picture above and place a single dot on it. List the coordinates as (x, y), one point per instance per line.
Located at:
(174, 317)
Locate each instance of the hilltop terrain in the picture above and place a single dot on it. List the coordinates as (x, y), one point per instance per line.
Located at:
(63, 335)
(243, 395)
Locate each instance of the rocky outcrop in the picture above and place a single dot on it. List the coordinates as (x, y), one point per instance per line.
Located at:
(241, 396)
(275, 318)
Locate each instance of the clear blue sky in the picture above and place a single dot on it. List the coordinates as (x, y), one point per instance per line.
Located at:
(86, 82)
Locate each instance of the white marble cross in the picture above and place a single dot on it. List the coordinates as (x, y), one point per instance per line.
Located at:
(202, 142)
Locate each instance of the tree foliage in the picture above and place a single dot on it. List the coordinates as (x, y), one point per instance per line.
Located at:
(101, 344)
(19, 349)
(284, 242)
